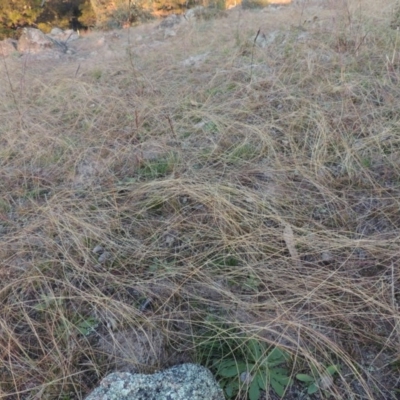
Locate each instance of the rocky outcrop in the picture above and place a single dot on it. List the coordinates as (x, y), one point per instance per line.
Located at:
(182, 382)
(63, 36)
(7, 47)
(35, 41)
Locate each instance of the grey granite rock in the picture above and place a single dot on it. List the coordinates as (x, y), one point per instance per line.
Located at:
(63, 36)
(182, 382)
(34, 41)
(7, 47)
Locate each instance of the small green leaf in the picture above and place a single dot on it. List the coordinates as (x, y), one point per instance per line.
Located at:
(276, 357)
(229, 390)
(234, 369)
(254, 390)
(229, 372)
(279, 371)
(283, 380)
(279, 389)
(305, 378)
(312, 389)
(332, 369)
(262, 381)
(227, 363)
(87, 325)
(254, 350)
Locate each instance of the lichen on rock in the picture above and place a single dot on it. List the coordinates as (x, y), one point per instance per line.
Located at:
(181, 382)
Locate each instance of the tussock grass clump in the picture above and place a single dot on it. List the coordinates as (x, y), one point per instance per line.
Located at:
(250, 198)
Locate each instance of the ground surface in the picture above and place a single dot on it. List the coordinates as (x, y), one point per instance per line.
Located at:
(241, 177)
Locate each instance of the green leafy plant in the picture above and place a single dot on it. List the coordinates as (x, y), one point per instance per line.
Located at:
(86, 326)
(318, 381)
(256, 371)
(246, 365)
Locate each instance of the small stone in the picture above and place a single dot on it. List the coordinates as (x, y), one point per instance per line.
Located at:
(146, 304)
(56, 31)
(327, 256)
(169, 240)
(194, 61)
(98, 249)
(104, 257)
(261, 40)
(246, 378)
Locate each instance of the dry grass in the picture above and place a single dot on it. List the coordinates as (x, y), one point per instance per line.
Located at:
(261, 199)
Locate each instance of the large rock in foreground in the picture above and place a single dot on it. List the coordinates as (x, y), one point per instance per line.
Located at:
(182, 382)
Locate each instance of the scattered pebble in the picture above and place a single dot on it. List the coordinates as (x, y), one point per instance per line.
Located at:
(104, 257)
(98, 249)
